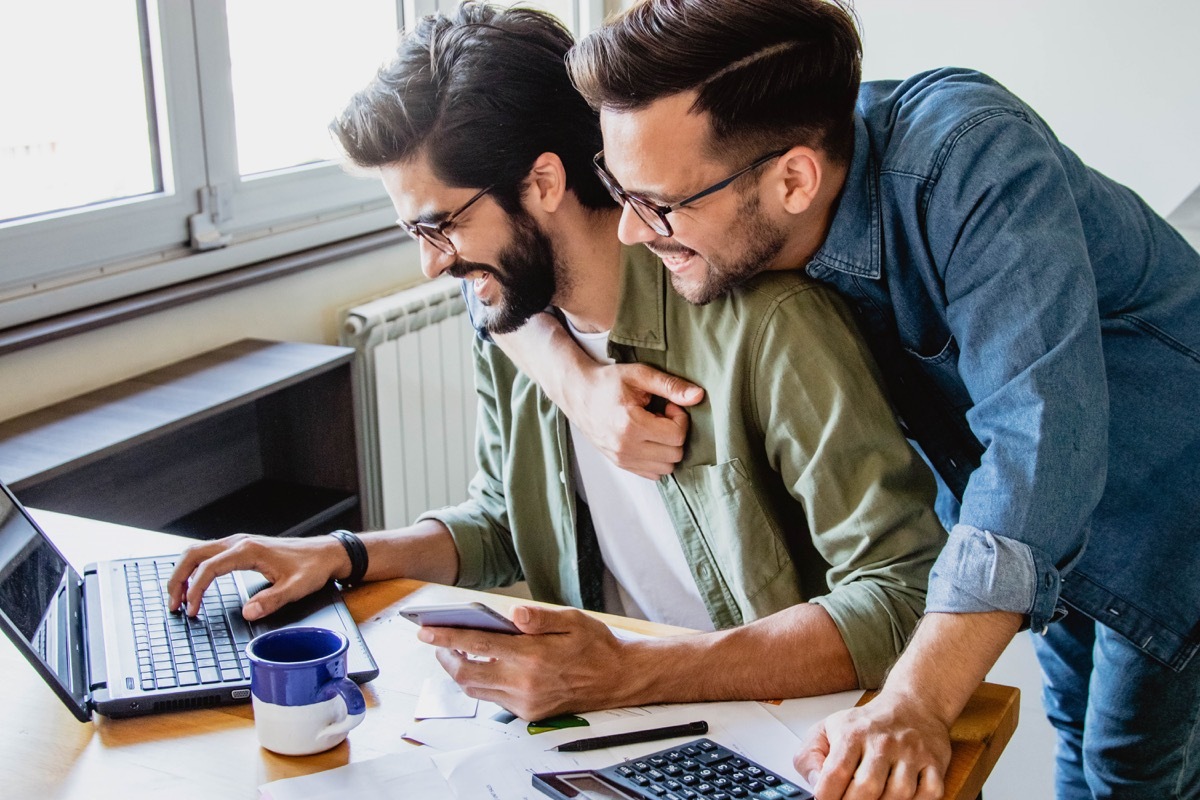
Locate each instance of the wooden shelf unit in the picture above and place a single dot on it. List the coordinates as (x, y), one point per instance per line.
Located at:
(254, 437)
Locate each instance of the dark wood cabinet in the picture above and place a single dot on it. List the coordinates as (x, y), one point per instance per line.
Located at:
(255, 437)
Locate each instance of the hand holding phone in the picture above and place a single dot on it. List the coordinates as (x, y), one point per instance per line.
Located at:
(475, 616)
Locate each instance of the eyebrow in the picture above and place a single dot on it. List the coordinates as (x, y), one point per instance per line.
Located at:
(430, 218)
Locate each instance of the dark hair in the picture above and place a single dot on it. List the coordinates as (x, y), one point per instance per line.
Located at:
(484, 92)
(769, 73)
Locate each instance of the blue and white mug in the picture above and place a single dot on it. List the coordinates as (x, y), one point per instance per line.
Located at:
(303, 701)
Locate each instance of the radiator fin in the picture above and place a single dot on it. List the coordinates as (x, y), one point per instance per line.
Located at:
(416, 400)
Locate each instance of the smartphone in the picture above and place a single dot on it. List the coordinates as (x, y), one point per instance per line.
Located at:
(475, 616)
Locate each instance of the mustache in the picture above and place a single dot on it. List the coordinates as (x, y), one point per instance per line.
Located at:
(461, 269)
(670, 250)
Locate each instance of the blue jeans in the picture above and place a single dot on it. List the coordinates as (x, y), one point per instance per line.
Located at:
(1128, 727)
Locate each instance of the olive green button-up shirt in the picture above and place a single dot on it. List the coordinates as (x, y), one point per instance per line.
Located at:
(796, 483)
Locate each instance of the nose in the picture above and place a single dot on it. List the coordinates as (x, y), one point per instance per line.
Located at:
(433, 261)
(632, 230)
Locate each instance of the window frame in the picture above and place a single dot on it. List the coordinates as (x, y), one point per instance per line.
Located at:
(206, 218)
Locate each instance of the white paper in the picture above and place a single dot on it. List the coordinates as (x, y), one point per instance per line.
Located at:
(441, 698)
(407, 774)
(801, 714)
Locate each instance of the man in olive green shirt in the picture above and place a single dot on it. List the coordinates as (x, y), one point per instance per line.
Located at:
(798, 525)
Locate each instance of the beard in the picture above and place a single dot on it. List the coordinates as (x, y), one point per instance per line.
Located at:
(762, 241)
(527, 273)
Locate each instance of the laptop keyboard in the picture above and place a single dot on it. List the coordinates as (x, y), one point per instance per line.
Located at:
(175, 650)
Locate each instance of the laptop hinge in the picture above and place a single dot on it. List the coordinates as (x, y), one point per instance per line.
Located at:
(93, 641)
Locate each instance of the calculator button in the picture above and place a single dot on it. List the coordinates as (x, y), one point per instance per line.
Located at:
(770, 794)
(789, 790)
(769, 780)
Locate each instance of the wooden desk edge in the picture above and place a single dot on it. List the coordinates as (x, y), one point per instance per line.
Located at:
(978, 737)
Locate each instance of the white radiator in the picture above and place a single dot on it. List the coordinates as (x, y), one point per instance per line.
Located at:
(416, 400)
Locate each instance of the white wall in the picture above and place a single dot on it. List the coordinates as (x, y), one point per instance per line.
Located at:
(1119, 82)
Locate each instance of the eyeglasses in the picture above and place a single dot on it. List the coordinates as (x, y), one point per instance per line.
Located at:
(435, 232)
(655, 215)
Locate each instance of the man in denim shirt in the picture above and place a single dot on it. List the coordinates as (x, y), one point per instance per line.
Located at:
(1039, 328)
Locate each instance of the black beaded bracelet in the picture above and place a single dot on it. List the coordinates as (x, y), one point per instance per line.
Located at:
(357, 551)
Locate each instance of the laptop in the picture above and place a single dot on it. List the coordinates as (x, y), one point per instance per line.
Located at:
(105, 642)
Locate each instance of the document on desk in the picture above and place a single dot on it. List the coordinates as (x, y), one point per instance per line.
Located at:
(410, 773)
(505, 771)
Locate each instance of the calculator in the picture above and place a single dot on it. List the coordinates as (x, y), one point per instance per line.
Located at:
(698, 770)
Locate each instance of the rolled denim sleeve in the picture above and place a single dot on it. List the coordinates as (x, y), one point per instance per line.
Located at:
(1021, 304)
(983, 571)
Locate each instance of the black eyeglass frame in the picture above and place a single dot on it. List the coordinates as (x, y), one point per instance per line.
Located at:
(435, 232)
(657, 221)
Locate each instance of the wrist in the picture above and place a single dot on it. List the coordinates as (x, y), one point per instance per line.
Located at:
(352, 563)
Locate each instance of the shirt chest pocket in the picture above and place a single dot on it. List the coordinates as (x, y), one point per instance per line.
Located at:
(742, 538)
(940, 371)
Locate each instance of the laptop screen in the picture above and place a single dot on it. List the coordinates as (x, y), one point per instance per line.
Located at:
(38, 593)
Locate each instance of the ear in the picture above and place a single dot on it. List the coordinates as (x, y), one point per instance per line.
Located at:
(803, 170)
(547, 183)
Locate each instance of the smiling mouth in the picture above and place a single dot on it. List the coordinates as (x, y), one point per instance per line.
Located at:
(675, 259)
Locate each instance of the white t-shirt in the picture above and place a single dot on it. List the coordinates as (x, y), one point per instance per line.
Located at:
(646, 574)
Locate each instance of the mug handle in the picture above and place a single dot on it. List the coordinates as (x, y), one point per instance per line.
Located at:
(354, 706)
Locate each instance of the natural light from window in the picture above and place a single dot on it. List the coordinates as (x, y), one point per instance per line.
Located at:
(295, 64)
(73, 116)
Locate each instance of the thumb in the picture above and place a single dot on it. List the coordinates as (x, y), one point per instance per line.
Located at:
(534, 619)
(669, 387)
(265, 602)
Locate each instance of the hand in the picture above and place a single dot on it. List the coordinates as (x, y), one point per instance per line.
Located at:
(890, 748)
(295, 568)
(566, 661)
(610, 408)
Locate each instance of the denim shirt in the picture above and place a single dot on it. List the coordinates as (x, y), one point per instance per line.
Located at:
(1039, 329)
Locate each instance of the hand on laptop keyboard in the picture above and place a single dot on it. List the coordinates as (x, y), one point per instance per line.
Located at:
(295, 568)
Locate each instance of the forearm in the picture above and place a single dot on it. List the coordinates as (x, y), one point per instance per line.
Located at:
(543, 350)
(797, 652)
(949, 655)
(424, 551)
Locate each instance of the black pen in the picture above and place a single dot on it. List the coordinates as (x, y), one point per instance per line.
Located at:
(634, 737)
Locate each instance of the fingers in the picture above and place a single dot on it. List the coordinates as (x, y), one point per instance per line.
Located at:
(809, 761)
(668, 387)
(181, 580)
(838, 771)
(930, 784)
(465, 640)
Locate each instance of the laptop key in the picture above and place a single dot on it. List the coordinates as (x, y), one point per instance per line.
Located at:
(209, 675)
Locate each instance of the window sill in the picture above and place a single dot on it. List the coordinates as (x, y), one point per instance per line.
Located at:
(151, 302)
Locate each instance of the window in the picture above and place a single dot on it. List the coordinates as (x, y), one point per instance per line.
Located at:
(152, 142)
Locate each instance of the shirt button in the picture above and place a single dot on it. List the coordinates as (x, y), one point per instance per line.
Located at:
(562, 477)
